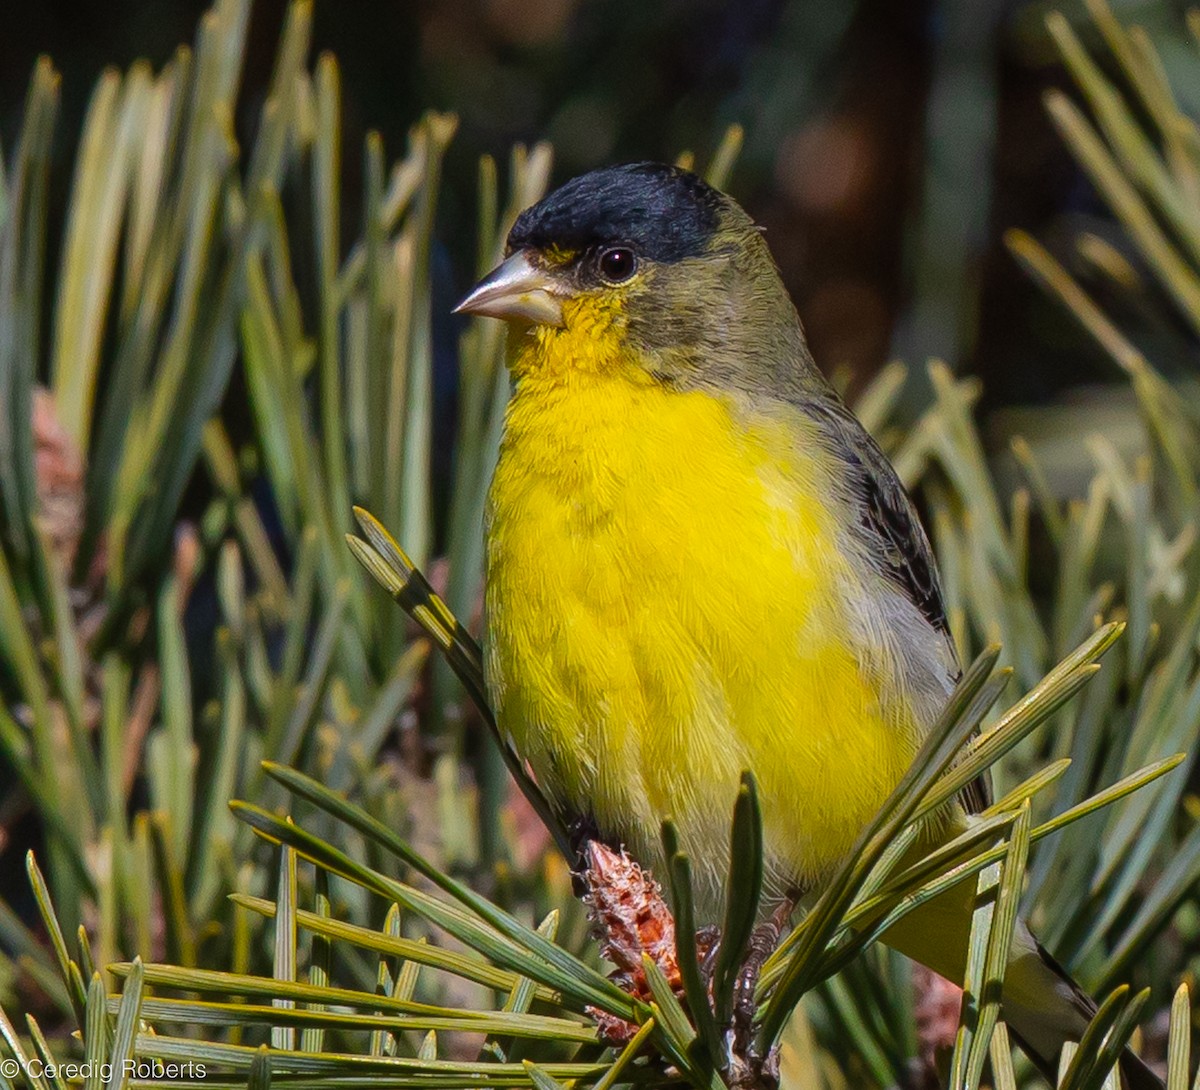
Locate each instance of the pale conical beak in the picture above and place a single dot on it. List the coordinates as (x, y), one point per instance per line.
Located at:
(516, 289)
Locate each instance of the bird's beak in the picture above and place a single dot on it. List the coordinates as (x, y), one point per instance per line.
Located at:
(516, 289)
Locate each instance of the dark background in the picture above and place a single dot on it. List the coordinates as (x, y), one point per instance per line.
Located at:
(888, 144)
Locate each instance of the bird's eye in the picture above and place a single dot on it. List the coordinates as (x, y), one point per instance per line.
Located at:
(617, 264)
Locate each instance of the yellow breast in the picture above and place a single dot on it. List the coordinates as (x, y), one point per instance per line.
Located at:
(667, 605)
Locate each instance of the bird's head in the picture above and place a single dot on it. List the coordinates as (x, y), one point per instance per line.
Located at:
(648, 269)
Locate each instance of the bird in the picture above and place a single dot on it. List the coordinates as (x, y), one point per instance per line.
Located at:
(698, 561)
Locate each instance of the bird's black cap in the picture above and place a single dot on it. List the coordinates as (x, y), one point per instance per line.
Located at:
(662, 212)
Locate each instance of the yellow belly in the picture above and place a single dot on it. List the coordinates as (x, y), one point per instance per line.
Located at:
(666, 605)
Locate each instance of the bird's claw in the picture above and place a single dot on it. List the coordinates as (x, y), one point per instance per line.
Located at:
(747, 1069)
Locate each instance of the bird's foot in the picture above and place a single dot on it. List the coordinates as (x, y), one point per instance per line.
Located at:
(761, 946)
(754, 1072)
(630, 919)
(708, 946)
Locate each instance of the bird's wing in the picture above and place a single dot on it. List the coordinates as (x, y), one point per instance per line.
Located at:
(977, 795)
(897, 538)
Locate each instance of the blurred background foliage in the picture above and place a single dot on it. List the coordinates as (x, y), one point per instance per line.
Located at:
(225, 282)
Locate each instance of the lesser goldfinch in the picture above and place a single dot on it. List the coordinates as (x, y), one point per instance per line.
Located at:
(698, 561)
